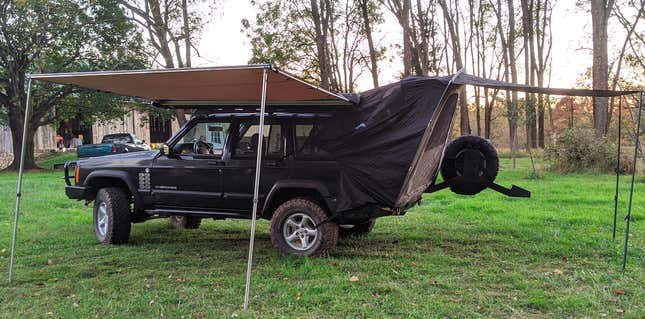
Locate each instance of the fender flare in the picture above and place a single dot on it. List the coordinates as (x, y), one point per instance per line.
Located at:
(301, 184)
(120, 175)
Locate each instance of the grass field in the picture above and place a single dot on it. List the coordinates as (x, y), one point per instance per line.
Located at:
(550, 256)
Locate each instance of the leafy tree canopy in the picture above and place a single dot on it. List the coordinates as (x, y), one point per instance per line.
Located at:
(61, 36)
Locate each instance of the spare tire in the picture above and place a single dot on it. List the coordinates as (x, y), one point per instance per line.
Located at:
(473, 160)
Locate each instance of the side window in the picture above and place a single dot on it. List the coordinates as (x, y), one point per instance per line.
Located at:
(247, 143)
(305, 146)
(206, 138)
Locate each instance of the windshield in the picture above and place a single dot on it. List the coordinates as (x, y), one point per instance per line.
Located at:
(212, 135)
(117, 139)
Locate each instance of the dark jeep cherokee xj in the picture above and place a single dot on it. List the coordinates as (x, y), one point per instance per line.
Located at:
(207, 171)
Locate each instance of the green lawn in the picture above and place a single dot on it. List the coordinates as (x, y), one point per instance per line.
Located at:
(455, 256)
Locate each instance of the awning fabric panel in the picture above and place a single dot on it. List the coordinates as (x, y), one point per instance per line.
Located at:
(228, 84)
(467, 79)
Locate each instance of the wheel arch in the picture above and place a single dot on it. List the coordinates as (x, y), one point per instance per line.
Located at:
(105, 178)
(283, 191)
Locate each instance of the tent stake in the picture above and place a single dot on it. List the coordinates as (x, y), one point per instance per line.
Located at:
(19, 188)
(256, 189)
(620, 112)
(631, 192)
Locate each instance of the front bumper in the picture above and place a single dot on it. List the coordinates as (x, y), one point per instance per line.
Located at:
(76, 192)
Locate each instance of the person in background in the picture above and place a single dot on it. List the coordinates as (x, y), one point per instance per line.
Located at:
(60, 144)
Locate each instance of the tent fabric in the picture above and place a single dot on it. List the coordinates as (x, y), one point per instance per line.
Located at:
(389, 147)
(215, 85)
(376, 143)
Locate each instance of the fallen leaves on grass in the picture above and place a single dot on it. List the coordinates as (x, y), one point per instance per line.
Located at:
(433, 283)
(620, 311)
(618, 291)
(198, 315)
(354, 278)
(558, 272)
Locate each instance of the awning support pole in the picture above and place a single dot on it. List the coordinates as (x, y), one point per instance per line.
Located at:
(256, 189)
(631, 192)
(19, 188)
(620, 112)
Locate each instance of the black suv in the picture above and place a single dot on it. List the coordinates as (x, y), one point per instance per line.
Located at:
(207, 171)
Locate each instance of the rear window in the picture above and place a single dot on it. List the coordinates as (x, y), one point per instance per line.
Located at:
(306, 146)
(117, 139)
(247, 143)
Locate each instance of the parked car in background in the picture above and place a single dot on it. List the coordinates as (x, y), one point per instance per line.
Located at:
(113, 144)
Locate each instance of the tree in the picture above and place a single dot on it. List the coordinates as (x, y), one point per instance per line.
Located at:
(507, 41)
(367, 17)
(168, 23)
(529, 71)
(451, 18)
(59, 36)
(600, 11)
(418, 23)
(323, 41)
(544, 42)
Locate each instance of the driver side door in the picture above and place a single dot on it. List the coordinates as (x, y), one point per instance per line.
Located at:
(190, 177)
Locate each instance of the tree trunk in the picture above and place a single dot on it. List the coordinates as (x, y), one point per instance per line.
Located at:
(370, 42)
(508, 48)
(16, 122)
(407, 45)
(464, 123)
(184, 11)
(488, 115)
(529, 62)
(600, 10)
(320, 45)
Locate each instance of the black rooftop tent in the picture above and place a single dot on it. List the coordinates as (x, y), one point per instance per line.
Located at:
(401, 115)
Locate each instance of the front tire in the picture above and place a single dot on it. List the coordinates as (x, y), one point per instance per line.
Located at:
(112, 216)
(294, 231)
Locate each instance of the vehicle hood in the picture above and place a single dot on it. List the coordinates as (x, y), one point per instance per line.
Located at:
(133, 156)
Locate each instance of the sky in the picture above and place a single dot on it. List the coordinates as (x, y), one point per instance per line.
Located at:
(223, 43)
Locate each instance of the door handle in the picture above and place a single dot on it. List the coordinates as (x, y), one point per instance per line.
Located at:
(217, 163)
(274, 164)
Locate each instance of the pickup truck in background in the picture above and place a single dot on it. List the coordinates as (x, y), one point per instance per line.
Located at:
(113, 144)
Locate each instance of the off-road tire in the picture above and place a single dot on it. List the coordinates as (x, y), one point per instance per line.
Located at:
(117, 203)
(450, 166)
(327, 237)
(184, 222)
(358, 230)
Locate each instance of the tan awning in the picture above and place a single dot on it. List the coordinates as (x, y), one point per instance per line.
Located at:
(231, 85)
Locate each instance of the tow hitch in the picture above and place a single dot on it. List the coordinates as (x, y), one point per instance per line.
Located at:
(514, 191)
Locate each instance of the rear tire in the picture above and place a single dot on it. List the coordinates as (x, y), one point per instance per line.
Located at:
(112, 216)
(358, 230)
(184, 222)
(293, 230)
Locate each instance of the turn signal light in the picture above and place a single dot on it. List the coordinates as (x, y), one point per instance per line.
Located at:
(77, 175)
